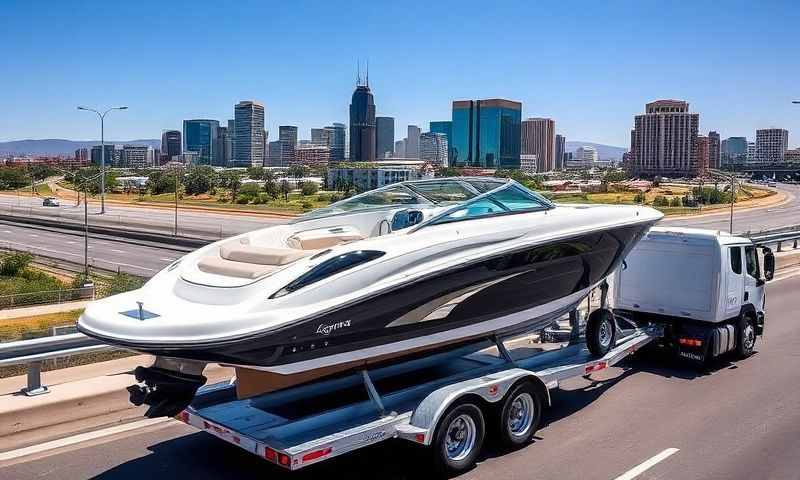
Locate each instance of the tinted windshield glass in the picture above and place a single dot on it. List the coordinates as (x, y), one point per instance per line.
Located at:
(515, 198)
(445, 191)
(389, 197)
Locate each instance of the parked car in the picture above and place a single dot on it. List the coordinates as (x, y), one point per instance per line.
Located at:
(50, 202)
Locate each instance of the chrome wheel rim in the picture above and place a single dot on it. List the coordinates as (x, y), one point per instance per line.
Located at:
(520, 415)
(604, 334)
(460, 438)
(749, 336)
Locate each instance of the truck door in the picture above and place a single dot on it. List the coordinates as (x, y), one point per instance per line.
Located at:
(753, 284)
(735, 282)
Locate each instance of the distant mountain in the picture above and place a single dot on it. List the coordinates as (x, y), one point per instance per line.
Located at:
(604, 152)
(55, 146)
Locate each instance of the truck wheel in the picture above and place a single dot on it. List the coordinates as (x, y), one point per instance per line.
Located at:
(745, 336)
(458, 439)
(520, 415)
(601, 332)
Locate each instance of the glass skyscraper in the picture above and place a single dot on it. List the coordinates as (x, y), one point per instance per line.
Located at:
(362, 125)
(201, 137)
(384, 136)
(486, 134)
(249, 137)
(338, 133)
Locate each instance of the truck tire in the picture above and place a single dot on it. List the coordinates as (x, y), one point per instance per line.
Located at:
(601, 332)
(520, 415)
(458, 439)
(745, 336)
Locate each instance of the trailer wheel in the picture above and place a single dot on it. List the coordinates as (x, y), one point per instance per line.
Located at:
(520, 415)
(745, 336)
(601, 332)
(458, 439)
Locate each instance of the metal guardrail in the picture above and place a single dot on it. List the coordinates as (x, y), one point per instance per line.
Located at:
(34, 352)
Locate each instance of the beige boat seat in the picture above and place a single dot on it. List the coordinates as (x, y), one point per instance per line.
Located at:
(324, 238)
(238, 252)
(230, 268)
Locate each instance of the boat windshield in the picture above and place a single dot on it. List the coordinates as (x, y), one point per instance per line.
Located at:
(508, 198)
(389, 197)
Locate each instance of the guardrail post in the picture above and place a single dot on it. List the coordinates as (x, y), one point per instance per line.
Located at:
(35, 386)
(795, 243)
(779, 246)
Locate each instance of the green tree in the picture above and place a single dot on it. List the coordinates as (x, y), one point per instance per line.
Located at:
(200, 179)
(13, 264)
(249, 190)
(450, 172)
(676, 202)
(613, 176)
(309, 188)
(12, 178)
(232, 180)
(121, 283)
(159, 182)
(255, 173)
(285, 188)
(271, 188)
(90, 177)
(639, 197)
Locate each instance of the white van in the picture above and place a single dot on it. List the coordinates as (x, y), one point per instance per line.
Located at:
(705, 285)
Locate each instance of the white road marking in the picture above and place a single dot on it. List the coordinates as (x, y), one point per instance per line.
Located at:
(33, 235)
(647, 464)
(83, 437)
(7, 231)
(166, 259)
(117, 251)
(71, 242)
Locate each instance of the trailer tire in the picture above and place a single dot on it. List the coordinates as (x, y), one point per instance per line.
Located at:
(458, 439)
(745, 336)
(601, 332)
(520, 415)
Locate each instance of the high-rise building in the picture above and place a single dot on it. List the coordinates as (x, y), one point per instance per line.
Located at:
(664, 140)
(137, 156)
(734, 150)
(201, 137)
(771, 144)
(400, 148)
(538, 138)
(82, 156)
(338, 135)
(702, 154)
(445, 127)
(751, 156)
(321, 136)
(433, 148)
(585, 157)
(170, 145)
(312, 154)
(384, 137)
(412, 141)
(230, 146)
(486, 134)
(714, 150)
(287, 135)
(249, 137)
(111, 156)
(274, 154)
(362, 125)
(792, 155)
(560, 149)
(223, 142)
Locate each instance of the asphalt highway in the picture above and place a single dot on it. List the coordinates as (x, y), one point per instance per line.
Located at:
(737, 420)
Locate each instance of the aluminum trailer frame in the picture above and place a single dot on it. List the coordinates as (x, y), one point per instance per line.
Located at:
(412, 412)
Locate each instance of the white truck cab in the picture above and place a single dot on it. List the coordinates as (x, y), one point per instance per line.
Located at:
(706, 285)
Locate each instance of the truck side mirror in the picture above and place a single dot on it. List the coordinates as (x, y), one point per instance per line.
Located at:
(769, 264)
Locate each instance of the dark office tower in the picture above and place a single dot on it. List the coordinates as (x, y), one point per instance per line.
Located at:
(734, 150)
(538, 138)
(384, 136)
(445, 127)
(170, 145)
(287, 135)
(412, 141)
(223, 160)
(362, 125)
(201, 137)
(559, 155)
(714, 157)
(486, 134)
(248, 136)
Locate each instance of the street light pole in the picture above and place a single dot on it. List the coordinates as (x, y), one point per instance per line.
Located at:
(102, 152)
(85, 230)
(733, 200)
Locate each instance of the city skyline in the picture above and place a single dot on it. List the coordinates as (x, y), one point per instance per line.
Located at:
(594, 107)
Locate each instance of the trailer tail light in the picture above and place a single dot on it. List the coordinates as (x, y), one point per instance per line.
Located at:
(419, 438)
(183, 416)
(596, 367)
(690, 342)
(271, 455)
(283, 459)
(317, 454)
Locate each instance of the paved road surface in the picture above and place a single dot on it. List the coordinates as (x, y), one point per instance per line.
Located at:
(190, 222)
(740, 420)
(148, 260)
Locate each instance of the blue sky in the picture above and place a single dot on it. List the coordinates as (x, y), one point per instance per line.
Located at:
(589, 65)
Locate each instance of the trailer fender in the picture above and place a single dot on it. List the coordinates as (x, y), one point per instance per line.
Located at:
(490, 388)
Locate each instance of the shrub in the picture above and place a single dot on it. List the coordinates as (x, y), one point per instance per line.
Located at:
(121, 283)
(250, 190)
(676, 202)
(14, 263)
(309, 188)
(307, 205)
(639, 197)
(242, 200)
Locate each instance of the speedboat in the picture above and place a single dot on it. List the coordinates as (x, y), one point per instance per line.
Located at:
(403, 269)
